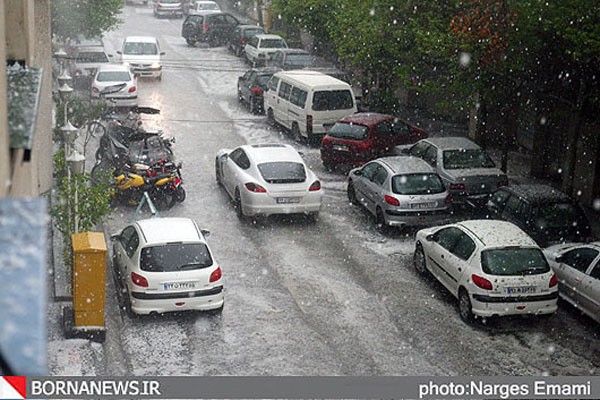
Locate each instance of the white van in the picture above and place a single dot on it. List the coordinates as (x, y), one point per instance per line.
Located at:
(142, 55)
(307, 102)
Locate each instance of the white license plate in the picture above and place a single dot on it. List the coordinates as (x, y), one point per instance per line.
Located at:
(340, 147)
(422, 205)
(179, 285)
(288, 200)
(521, 290)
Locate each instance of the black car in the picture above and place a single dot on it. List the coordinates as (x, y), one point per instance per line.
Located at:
(239, 36)
(292, 59)
(252, 85)
(546, 214)
(212, 28)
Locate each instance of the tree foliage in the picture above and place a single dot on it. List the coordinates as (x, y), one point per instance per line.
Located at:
(90, 18)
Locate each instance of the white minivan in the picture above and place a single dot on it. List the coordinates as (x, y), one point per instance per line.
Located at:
(142, 55)
(307, 102)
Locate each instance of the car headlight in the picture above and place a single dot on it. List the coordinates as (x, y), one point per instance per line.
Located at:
(156, 65)
(125, 63)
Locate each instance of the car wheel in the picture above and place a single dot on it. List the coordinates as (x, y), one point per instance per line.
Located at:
(159, 78)
(216, 311)
(313, 216)
(190, 42)
(329, 166)
(464, 306)
(212, 41)
(380, 224)
(270, 117)
(217, 172)
(252, 105)
(419, 260)
(351, 193)
(296, 133)
(237, 204)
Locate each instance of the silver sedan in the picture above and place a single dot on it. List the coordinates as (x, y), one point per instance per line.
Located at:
(268, 179)
(577, 267)
(400, 191)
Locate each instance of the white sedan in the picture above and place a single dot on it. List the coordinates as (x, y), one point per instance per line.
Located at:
(268, 179)
(492, 267)
(164, 264)
(117, 83)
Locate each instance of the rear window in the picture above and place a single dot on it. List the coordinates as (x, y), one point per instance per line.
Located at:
(113, 76)
(272, 44)
(248, 33)
(332, 100)
(282, 172)
(514, 261)
(169, 1)
(559, 215)
(175, 257)
(299, 60)
(91, 57)
(140, 48)
(263, 79)
(345, 130)
(417, 184)
(467, 158)
(207, 6)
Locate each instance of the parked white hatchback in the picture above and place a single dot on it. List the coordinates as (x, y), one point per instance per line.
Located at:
(165, 264)
(492, 267)
(266, 179)
(117, 83)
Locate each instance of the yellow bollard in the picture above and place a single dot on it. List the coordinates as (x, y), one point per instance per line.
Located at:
(89, 279)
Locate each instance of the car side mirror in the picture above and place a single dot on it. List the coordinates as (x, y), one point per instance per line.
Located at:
(205, 232)
(119, 52)
(162, 53)
(358, 172)
(560, 259)
(224, 157)
(431, 237)
(115, 237)
(111, 55)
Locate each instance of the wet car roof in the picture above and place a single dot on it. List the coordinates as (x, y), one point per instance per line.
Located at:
(406, 165)
(162, 230)
(367, 118)
(452, 143)
(536, 193)
(495, 233)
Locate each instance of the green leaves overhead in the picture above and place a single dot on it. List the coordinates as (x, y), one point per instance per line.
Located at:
(90, 18)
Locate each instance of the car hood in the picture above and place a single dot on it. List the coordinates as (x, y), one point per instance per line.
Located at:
(140, 58)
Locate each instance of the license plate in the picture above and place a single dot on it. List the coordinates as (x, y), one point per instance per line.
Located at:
(521, 290)
(179, 285)
(340, 147)
(288, 200)
(422, 205)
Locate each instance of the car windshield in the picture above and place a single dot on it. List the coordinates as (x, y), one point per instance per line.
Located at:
(272, 44)
(514, 261)
(170, 1)
(299, 60)
(348, 130)
(140, 48)
(175, 257)
(417, 184)
(332, 100)
(91, 57)
(559, 215)
(207, 6)
(248, 33)
(467, 158)
(282, 172)
(263, 79)
(113, 76)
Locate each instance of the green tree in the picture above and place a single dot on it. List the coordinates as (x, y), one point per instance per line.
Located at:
(90, 18)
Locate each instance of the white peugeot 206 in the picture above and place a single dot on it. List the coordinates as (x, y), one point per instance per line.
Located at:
(492, 267)
(164, 264)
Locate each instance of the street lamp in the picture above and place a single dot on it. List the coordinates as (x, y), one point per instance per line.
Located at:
(76, 166)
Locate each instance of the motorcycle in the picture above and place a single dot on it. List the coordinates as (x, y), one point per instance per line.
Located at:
(134, 181)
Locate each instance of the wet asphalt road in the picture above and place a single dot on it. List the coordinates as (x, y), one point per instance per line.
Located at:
(331, 297)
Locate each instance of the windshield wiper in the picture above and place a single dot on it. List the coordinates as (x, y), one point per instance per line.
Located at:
(191, 265)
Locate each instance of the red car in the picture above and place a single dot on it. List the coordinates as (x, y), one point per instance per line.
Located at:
(361, 137)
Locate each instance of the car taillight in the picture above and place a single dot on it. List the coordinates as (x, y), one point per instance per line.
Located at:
(243, 41)
(309, 125)
(553, 281)
(255, 187)
(502, 183)
(95, 89)
(481, 282)
(216, 275)
(257, 90)
(448, 198)
(315, 186)
(391, 200)
(159, 5)
(457, 186)
(78, 72)
(204, 28)
(132, 89)
(138, 280)
(140, 123)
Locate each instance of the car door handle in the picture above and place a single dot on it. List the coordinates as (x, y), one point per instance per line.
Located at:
(460, 270)
(442, 256)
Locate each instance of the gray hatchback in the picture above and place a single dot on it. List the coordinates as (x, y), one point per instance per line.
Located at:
(400, 191)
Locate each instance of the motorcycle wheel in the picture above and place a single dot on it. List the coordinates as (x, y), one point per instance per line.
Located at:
(163, 199)
(180, 194)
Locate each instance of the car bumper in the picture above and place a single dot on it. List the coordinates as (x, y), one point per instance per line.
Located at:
(487, 306)
(169, 12)
(203, 300)
(122, 101)
(259, 204)
(344, 157)
(418, 218)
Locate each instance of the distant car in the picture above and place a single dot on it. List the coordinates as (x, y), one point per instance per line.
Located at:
(577, 267)
(165, 264)
(145, 2)
(361, 137)
(113, 75)
(204, 7)
(342, 76)
(260, 48)
(266, 179)
(292, 59)
(213, 28)
(400, 191)
(251, 87)
(466, 169)
(87, 60)
(170, 8)
(492, 267)
(240, 35)
(546, 214)
(187, 5)
(142, 54)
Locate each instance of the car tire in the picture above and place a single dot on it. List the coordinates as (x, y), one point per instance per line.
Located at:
(212, 41)
(351, 193)
(464, 306)
(190, 42)
(252, 105)
(380, 224)
(419, 260)
(270, 117)
(240, 97)
(237, 204)
(313, 216)
(216, 311)
(296, 135)
(217, 172)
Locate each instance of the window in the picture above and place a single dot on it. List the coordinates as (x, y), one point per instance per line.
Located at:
(467, 158)
(278, 57)
(299, 60)
(129, 240)
(298, 97)
(384, 128)
(272, 85)
(248, 33)
(464, 247)
(346, 130)
(595, 272)
(419, 149)
(175, 257)
(559, 215)
(218, 20)
(239, 157)
(272, 44)
(282, 172)
(332, 100)
(580, 259)
(126, 235)
(448, 237)
(251, 75)
(196, 19)
(253, 41)
(284, 90)
(140, 48)
(410, 184)
(514, 261)
(498, 200)
(91, 57)
(513, 207)
(380, 175)
(368, 170)
(430, 156)
(113, 76)
(230, 20)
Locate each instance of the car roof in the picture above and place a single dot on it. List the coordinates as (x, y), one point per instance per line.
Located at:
(496, 233)
(248, 26)
(267, 70)
(142, 39)
(164, 230)
(268, 36)
(272, 152)
(312, 78)
(366, 118)
(538, 193)
(452, 143)
(406, 165)
(113, 67)
(294, 51)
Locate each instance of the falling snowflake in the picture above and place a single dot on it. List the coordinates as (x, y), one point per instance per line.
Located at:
(465, 59)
